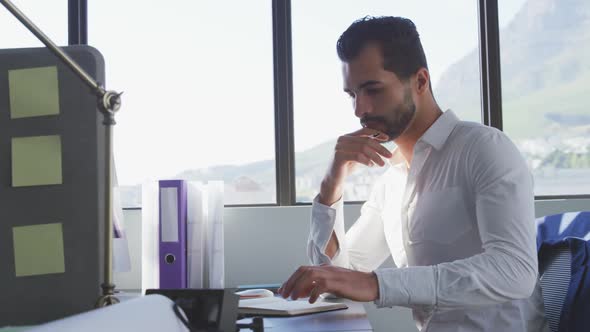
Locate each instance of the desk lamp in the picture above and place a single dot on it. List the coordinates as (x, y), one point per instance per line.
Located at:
(109, 102)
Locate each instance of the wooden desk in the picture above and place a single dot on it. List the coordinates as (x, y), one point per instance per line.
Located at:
(352, 319)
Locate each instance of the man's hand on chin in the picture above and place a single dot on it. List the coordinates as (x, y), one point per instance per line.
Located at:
(311, 281)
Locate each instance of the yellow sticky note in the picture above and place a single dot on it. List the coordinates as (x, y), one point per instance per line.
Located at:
(38, 249)
(33, 92)
(36, 161)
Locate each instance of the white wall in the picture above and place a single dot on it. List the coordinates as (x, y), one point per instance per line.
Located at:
(265, 245)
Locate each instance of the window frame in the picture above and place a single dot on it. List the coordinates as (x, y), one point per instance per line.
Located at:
(77, 22)
(491, 87)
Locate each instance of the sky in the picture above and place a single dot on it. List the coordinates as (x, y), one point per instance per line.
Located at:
(198, 75)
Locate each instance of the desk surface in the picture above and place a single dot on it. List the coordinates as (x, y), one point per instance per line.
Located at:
(352, 319)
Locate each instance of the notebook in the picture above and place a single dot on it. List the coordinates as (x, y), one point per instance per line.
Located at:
(277, 306)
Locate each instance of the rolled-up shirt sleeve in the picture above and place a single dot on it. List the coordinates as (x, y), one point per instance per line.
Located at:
(325, 220)
(363, 247)
(507, 268)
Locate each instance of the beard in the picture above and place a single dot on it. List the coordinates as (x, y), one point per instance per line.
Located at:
(396, 121)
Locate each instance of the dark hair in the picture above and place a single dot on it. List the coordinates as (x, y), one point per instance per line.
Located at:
(396, 36)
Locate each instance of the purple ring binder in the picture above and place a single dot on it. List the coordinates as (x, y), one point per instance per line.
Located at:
(172, 234)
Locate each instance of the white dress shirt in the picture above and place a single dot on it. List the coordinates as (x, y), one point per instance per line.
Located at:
(459, 224)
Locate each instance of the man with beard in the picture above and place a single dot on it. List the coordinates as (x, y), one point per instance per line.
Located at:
(455, 209)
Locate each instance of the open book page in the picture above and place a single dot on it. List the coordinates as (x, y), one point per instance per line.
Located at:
(277, 306)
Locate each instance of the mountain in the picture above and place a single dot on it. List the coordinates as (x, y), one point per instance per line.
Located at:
(545, 70)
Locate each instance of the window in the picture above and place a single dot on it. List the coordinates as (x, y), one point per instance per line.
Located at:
(198, 82)
(322, 111)
(198, 101)
(545, 61)
(50, 16)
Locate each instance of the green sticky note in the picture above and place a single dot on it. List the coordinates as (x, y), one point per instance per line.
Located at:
(38, 249)
(36, 161)
(33, 92)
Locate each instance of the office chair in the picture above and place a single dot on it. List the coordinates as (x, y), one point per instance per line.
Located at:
(564, 250)
(555, 278)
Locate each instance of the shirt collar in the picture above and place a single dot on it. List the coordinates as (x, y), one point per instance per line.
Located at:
(436, 136)
(439, 131)
(398, 158)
